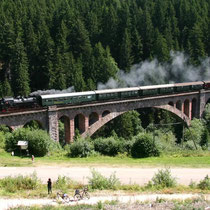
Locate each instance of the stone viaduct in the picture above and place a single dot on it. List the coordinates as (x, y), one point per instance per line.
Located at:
(93, 116)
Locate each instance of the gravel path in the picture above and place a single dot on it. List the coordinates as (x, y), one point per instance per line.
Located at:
(8, 203)
(127, 175)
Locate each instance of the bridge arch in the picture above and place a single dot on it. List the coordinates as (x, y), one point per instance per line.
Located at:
(171, 103)
(186, 107)
(80, 123)
(34, 123)
(93, 117)
(194, 107)
(106, 112)
(92, 129)
(179, 105)
(64, 132)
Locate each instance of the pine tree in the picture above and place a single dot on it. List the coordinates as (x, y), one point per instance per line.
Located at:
(196, 48)
(104, 65)
(19, 67)
(137, 47)
(126, 58)
(160, 48)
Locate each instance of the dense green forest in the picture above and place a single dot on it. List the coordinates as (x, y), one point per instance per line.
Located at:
(47, 44)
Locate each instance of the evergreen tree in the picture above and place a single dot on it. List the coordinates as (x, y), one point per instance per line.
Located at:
(126, 58)
(160, 48)
(104, 65)
(196, 48)
(137, 47)
(19, 68)
(147, 34)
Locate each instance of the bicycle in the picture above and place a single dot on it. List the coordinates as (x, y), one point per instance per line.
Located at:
(81, 194)
(62, 196)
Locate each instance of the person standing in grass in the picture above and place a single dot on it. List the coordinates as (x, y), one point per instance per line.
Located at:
(49, 186)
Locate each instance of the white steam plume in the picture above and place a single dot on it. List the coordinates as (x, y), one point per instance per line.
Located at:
(153, 72)
(53, 91)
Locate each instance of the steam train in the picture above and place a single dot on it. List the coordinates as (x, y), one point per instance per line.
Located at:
(8, 104)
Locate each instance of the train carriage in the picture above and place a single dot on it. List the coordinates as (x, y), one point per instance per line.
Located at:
(156, 89)
(67, 98)
(188, 86)
(117, 93)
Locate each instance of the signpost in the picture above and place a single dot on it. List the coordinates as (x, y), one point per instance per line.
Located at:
(23, 146)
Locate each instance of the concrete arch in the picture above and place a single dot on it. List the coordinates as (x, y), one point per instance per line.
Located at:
(92, 129)
(177, 112)
(93, 118)
(106, 112)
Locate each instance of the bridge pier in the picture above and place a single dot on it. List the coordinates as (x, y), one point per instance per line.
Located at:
(72, 131)
(202, 103)
(53, 123)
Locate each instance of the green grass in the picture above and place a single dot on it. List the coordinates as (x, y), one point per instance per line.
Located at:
(194, 160)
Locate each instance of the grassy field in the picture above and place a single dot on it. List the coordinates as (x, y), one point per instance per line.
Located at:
(194, 160)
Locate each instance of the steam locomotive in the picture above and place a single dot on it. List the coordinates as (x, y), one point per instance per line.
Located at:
(9, 104)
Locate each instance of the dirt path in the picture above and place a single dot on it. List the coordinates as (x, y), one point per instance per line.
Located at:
(126, 175)
(8, 203)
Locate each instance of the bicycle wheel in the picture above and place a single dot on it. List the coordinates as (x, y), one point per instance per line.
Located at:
(77, 197)
(66, 199)
(58, 196)
(86, 195)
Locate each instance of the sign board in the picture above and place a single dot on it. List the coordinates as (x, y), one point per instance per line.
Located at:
(23, 144)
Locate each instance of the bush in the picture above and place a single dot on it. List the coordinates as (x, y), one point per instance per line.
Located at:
(64, 183)
(205, 183)
(100, 182)
(39, 142)
(14, 184)
(109, 146)
(81, 148)
(144, 146)
(190, 145)
(195, 131)
(166, 141)
(2, 140)
(163, 179)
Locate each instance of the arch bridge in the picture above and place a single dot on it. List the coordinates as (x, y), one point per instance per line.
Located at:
(91, 117)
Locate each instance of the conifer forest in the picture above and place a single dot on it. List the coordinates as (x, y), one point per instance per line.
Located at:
(56, 44)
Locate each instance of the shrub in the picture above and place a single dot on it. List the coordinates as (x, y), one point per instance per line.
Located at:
(166, 141)
(144, 146)
(163, 179)
(39, 142)
(2, 140)
(195, 131)
(64, 183)
(81, 148)
(109, 146)
(205, 183)
(98, 181)
(190, 145)
(14, 184)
